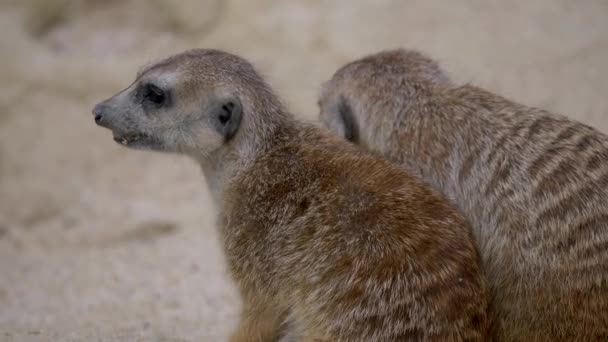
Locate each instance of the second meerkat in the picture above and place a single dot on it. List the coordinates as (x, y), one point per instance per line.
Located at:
(533, 184)
(342, 245)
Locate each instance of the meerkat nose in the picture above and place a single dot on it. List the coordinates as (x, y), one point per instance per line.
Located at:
(98, 112)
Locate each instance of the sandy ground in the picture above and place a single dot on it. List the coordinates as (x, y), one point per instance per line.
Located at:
(99, 243)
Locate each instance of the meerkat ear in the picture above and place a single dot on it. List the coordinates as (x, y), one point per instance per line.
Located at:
(346, 118)
(227, 117)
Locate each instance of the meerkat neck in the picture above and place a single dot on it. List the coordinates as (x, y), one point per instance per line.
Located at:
(261, 133)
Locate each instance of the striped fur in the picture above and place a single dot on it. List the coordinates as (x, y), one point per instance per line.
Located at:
(533, 184)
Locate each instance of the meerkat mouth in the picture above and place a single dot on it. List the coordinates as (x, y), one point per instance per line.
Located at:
(130, 138)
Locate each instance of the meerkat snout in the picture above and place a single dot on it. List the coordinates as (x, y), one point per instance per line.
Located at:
(98, 112)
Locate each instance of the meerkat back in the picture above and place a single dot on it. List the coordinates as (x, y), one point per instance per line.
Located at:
(533, 184)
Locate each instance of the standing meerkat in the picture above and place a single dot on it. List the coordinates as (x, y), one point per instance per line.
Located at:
(342, 245)
(533, 184)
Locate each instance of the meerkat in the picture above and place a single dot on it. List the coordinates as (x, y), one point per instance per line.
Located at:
(341, 245)
(533, 184)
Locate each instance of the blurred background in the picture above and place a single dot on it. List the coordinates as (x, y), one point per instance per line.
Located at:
(99, 243)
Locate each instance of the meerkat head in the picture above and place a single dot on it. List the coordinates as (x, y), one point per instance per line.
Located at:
(375, 89)
(191, 103)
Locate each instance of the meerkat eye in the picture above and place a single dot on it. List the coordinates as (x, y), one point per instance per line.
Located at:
(154, 94)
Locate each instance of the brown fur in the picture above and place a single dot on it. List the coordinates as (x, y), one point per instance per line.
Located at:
(534, 184)
(341, 245)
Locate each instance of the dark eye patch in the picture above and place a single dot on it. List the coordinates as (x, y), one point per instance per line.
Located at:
(151, 95)
(154, 94)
